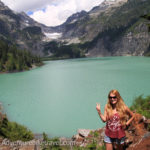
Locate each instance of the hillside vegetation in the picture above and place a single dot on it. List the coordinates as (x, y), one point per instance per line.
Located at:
(12, 130)
(12, 59)
(142, 105)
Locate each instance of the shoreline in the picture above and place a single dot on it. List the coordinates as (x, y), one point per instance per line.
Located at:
(55, 59)
(15, 71)
(61, 58)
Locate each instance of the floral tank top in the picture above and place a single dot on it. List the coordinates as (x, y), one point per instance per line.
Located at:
(114, 128)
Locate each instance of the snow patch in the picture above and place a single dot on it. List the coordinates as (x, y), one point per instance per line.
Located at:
(52, 36)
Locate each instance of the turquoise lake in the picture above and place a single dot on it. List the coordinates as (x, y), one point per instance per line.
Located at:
(60, 97)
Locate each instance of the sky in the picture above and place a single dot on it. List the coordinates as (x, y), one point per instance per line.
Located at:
(51, 12)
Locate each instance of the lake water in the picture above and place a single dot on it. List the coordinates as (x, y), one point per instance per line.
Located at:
(60, 97)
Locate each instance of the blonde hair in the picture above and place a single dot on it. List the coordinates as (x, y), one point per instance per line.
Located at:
(120, 107)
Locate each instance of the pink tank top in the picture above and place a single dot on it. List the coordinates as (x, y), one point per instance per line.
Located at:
(114, 128)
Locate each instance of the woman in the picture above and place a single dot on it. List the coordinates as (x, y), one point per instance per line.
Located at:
(116, 115)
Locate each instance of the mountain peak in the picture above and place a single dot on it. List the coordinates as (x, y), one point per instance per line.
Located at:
(76, 16)
(107, 4)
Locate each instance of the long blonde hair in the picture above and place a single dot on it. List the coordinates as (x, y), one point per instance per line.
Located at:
(120, 107)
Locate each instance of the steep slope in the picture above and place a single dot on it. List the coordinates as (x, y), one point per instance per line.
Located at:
(27, 34)
(124, 32)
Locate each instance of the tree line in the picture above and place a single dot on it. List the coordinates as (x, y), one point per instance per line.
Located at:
(14, 59)
(62, 50)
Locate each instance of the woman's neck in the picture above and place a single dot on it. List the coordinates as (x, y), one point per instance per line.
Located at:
(113, 106)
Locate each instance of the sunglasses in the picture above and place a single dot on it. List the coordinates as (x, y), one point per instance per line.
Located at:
(114, 97)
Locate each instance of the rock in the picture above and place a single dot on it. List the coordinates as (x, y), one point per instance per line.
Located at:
(78, 138)
(86, 136)
(147, 121)
(142, 144)
(137, 131)
(84, 132)
(137, 126)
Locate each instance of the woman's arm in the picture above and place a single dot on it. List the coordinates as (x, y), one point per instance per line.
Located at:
(103, 117)
(131, 114)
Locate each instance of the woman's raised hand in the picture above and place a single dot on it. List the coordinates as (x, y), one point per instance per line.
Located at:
(98, 107)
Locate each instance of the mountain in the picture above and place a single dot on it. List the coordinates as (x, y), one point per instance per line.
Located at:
(86, 25)
(114, 28)
(20, 29)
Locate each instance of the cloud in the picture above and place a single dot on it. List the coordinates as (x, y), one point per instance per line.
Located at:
(27, 5)
(51, 12)
(55, 14)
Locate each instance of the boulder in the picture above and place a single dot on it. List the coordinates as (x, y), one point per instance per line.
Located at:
(136, 131)
(84, 132)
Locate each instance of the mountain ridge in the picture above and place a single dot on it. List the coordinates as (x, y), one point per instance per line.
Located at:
(118, 30)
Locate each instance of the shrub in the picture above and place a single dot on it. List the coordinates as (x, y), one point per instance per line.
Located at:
(13, 131)
(51, 143)
(142, 105)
